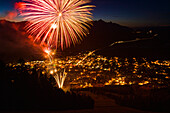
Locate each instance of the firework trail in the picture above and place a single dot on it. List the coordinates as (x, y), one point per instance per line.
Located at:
(90, 53)
(58, 23)
(58, 74)
(60, 78)
(48, 52)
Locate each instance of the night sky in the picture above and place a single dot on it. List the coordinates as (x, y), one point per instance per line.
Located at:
(124, 12)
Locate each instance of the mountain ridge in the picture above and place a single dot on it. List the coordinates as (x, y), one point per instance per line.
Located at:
(15, 43)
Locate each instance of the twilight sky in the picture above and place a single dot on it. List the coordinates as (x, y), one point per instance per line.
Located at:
(124, 12)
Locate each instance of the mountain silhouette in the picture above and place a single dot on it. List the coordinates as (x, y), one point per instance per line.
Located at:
(15, 43)
(102, 34)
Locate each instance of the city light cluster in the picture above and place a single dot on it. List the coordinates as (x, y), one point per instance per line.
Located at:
(99, 71)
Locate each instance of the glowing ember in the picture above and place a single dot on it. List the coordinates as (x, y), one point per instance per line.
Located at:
(47, 51)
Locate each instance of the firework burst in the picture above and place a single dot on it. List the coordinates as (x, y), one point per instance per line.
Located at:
(58, 23)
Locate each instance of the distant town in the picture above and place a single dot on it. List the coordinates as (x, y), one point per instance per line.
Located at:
(100, 71)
